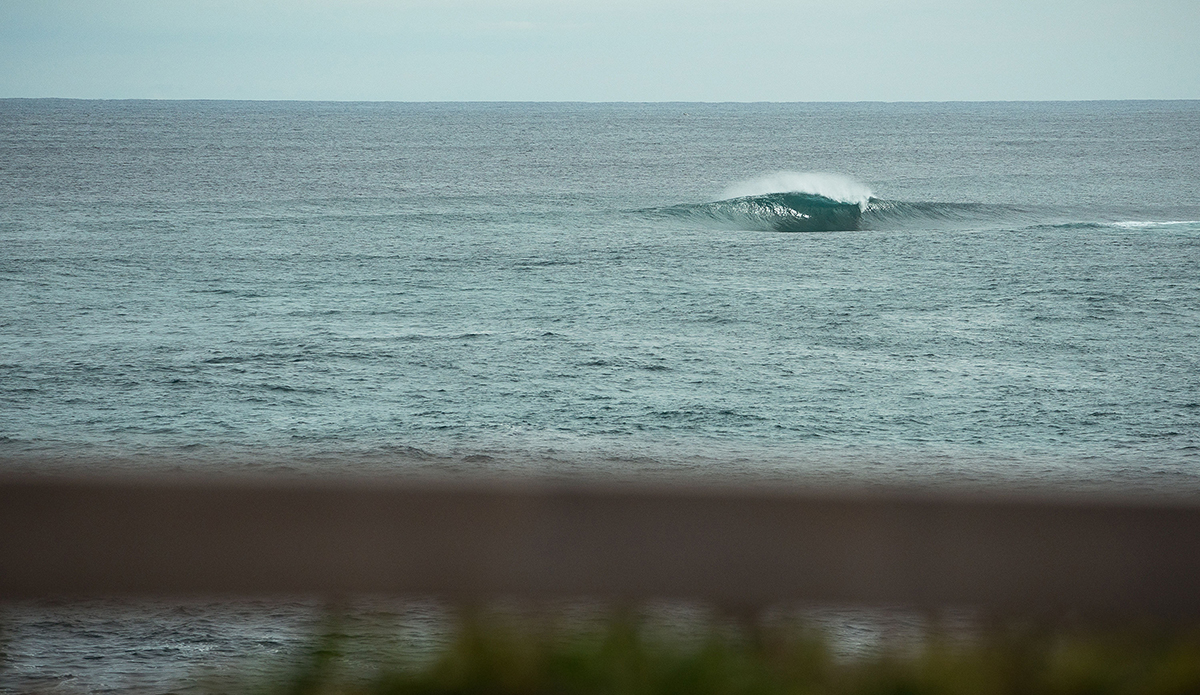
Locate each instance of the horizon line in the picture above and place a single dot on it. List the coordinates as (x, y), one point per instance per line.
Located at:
(613, 101)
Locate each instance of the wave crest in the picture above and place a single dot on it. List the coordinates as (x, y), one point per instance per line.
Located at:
(836, 187)
(779, 212)
(820, 202)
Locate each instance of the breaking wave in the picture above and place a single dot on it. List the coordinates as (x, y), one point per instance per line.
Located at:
(835, 187)
(818, 202)
(778, 212)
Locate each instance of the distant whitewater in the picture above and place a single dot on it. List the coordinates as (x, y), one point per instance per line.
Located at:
(823, 202)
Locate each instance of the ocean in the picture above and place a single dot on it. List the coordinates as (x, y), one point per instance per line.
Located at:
(975, 295)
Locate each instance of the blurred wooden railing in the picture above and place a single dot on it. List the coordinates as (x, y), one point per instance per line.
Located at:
(745, 546)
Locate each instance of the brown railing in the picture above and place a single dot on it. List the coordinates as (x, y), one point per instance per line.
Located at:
(746, 546)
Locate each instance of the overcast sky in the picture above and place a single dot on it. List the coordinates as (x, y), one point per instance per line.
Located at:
(593, 50)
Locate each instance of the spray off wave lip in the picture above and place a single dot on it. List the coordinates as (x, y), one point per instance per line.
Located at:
(824, 202)
(783, 202)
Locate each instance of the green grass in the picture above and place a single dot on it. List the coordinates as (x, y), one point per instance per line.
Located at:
(510, 653)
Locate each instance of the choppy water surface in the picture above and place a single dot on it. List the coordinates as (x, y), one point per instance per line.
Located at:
(1010, 295)
(386, 286)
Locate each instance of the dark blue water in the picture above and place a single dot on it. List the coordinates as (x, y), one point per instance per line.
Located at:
(1008, 294)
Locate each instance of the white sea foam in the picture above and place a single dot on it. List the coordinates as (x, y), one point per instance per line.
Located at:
(1137, 224)
(832, 186)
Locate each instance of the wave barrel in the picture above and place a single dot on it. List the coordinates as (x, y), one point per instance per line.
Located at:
(778, 212)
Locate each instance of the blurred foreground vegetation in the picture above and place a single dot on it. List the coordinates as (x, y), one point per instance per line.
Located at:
(530, 653)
